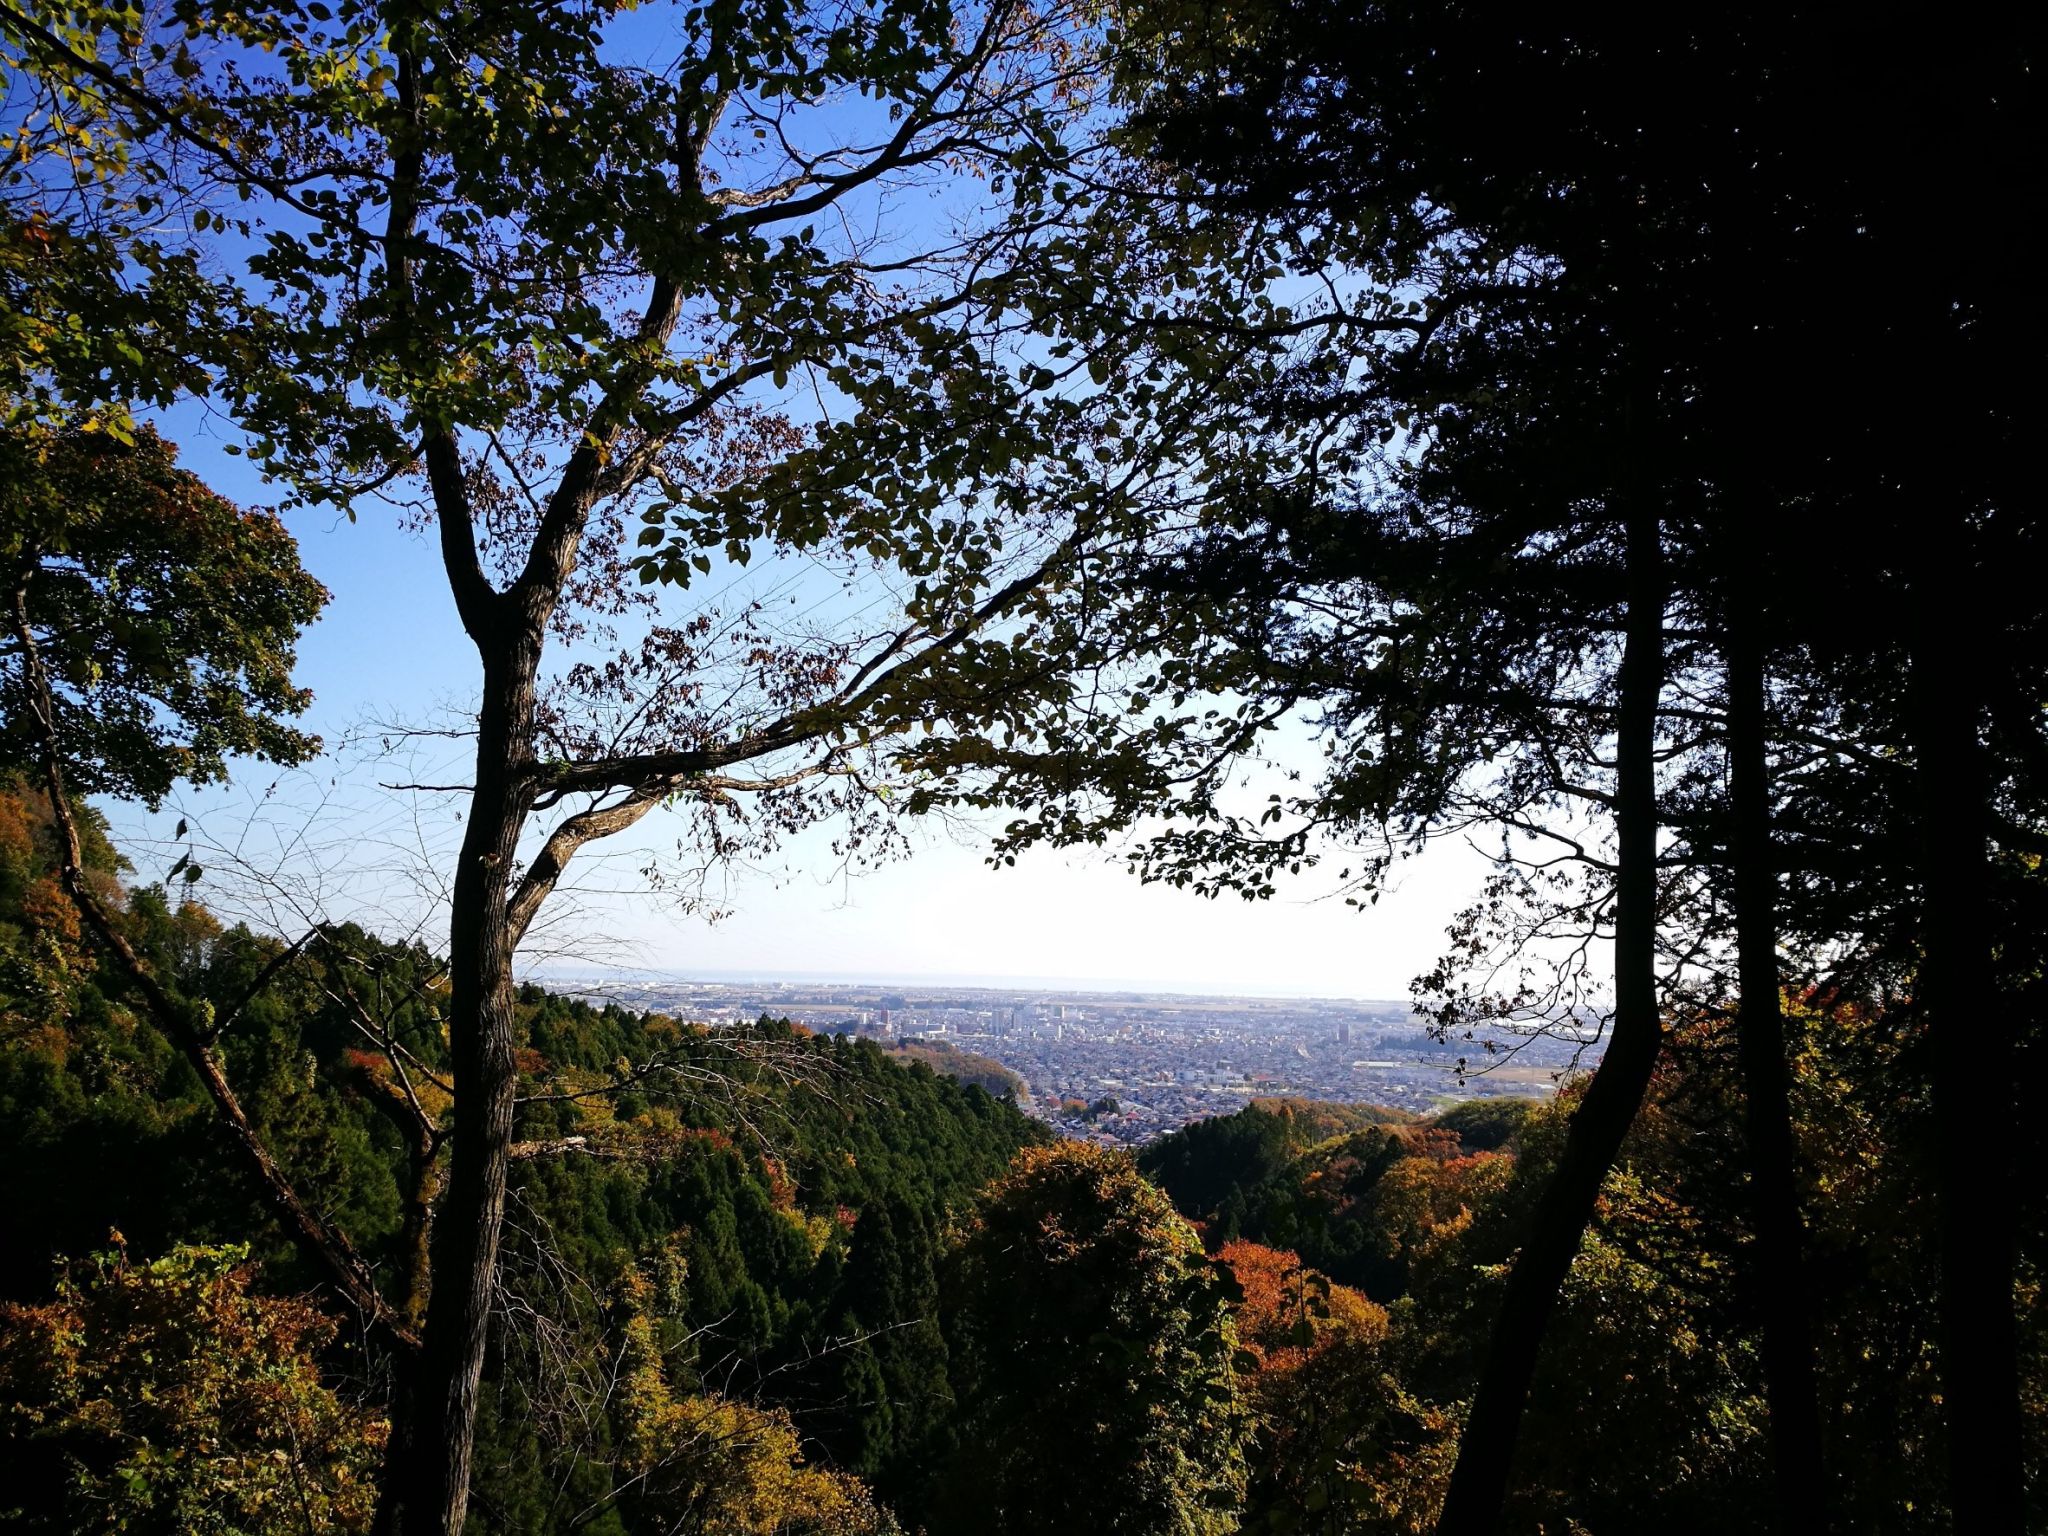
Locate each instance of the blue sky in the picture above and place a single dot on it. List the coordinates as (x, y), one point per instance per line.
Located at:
(389, 648)
(328, 840)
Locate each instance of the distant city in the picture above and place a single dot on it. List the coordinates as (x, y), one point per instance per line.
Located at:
(1125, 1067)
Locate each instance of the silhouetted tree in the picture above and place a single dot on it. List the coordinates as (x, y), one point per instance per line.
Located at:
(1566, 264)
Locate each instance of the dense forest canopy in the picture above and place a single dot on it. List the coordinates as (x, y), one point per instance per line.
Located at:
(1603, 436)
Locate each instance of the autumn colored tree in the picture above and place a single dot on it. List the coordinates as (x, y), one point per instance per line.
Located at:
(1303, 1336)
(1346, 1447)
(172, 1396)
(46, 955)
(705, 1464)
(1363, 1205)
(1657, 1319)
(1287, 1311)
(1420, 1205)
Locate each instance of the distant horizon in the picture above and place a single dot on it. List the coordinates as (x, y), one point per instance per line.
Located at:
(559, 974)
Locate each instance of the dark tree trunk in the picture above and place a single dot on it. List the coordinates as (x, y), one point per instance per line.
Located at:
(1778, 1273)
(427, 1492)
(1479, 1482)
(1971, 1054)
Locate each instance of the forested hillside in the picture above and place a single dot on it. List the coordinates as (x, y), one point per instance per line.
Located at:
(751, 1289)
(1657, 1325)
(726, 1246)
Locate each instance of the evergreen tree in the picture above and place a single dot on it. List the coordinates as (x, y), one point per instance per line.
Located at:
(1097, 1360)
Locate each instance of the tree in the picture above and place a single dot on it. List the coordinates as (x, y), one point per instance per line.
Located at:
(893, 1382)
(151, 630)
(164, 616)
(171, 1396)
(553, 303)
(1293, 1323)
(103, 309)
(1513, 224)
(100, 1125)
(1097, 1353)
(1288, 1310)
(1485, 1125)
(708, 1465)
(1449, 542)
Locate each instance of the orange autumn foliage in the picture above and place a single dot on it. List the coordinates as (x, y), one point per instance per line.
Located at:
(781, 1188)
(1421, 1204)
(1290, 1311)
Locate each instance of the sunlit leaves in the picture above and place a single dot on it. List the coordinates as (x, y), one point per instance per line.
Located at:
(166, 616)
(170, 1395)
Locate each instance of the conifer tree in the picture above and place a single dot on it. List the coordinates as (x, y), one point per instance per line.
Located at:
(1098, 1359)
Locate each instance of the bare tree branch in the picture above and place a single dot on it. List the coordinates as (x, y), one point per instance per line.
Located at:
(188, 1025)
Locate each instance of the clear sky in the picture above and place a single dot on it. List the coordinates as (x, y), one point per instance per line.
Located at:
(329, 842)
(389, 649)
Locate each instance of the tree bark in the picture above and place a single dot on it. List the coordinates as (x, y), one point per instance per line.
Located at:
(1479, 1481)
(1971, 1054)
(1778, 1272)
(429, 1473)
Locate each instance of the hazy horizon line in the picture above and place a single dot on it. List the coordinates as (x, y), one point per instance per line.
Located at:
(977, 980)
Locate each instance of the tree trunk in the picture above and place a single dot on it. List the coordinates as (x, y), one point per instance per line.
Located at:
(1778, 1273)
(427, 1492)
(1479, 1482)
(1971, 1055)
